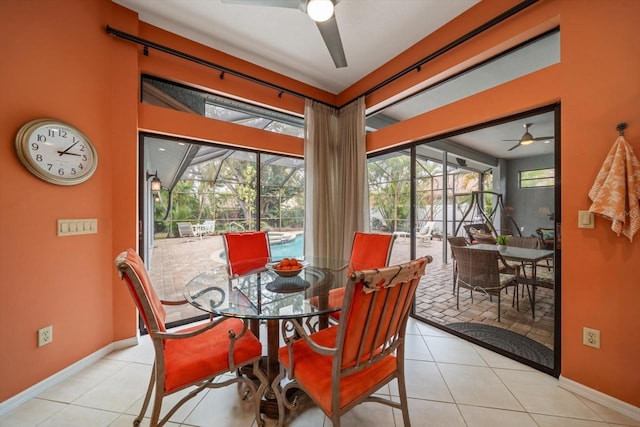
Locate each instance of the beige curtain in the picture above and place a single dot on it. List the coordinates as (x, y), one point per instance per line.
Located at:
(336, 203)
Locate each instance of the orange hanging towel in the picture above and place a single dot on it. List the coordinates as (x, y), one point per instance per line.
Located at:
(616, 190)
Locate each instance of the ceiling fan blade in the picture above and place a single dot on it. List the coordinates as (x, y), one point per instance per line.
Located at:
(290, 4)
(514, 147)
(543, 138)
(331, 36)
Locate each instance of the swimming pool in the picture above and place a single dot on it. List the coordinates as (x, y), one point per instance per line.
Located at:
(290, 250)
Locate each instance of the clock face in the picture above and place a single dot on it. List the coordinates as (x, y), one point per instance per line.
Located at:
(56, 152)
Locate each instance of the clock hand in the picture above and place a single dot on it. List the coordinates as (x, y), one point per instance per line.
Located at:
(60, 153)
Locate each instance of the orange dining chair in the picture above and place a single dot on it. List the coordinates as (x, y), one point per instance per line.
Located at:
(369, 250)
(193, 356)
(345, 364)
(246, 251)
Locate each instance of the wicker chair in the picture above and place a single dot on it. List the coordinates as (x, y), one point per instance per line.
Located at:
(345, 364)
(523, 242)
(456, 241)
(193, 356)
(479, 270)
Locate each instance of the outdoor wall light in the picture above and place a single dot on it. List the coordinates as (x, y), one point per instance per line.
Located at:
(156, 184)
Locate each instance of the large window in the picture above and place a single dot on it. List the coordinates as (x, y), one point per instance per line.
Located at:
(171, 95)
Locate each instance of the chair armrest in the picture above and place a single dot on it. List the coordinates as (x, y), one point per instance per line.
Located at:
(293, 331)
(175, 302)
(204, 328)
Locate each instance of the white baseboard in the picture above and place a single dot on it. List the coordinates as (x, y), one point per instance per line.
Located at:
(62, 375)
(601, 398)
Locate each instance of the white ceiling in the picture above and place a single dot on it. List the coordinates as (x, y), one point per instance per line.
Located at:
(287, 41)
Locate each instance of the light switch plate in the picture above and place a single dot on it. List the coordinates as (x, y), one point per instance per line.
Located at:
(585, 219)
(73, 227)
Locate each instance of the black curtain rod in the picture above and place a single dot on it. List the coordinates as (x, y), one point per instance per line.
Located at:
(223, 70)
(149, 44)
(507, 14)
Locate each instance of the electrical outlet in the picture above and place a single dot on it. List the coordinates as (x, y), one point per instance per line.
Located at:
(591, 337)
(45, 336)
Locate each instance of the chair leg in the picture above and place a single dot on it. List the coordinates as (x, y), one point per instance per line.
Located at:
(147, 397)
(257, 398)
(275, 386)
(499, 306)
(402, 389)
(157, 405)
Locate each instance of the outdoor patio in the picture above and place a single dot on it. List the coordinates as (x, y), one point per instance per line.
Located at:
(175, 261)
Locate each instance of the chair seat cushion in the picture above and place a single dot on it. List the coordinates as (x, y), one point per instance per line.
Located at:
(314, 371)
(206, 355)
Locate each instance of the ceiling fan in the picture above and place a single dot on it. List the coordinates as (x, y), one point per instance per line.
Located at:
(527, 138)
(322, 12)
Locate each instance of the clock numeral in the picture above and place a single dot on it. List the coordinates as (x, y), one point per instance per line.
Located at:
(73, 171)
(80, 166)
(41, 138)
(82, 148)
(63, 133)
(38, 157)
(35, 146)
(61, 172)
(49, 166)
(84, 157)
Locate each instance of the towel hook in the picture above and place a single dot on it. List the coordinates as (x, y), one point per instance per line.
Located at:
(621, 127)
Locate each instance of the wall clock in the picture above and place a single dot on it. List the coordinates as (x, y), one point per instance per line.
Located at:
(56, 152)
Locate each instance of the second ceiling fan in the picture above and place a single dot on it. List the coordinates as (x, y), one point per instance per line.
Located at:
(527, 138)
(322, 12)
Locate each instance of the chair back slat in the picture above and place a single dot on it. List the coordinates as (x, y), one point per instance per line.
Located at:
(376, 306)
(133, 270)
(246, 251)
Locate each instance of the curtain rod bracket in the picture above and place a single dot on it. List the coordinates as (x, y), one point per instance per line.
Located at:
(280, 94)
(621, 127)
(419, 68)
(145, 50)
(221, 75)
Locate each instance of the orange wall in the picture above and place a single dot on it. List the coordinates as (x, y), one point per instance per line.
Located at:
(58, 62)
(92, 81)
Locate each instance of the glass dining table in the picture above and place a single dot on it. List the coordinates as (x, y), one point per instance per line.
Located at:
(264, 296)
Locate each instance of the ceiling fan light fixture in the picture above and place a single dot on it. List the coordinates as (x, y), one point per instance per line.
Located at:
(320, 10)
(526, 139)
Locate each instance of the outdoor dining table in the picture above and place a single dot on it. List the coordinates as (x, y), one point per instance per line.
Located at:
(526, 255)
(261, 295)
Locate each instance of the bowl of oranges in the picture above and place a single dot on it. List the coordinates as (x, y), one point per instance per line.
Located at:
(287, 267)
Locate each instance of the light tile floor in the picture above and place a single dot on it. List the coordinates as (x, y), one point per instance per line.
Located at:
(450, 382)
